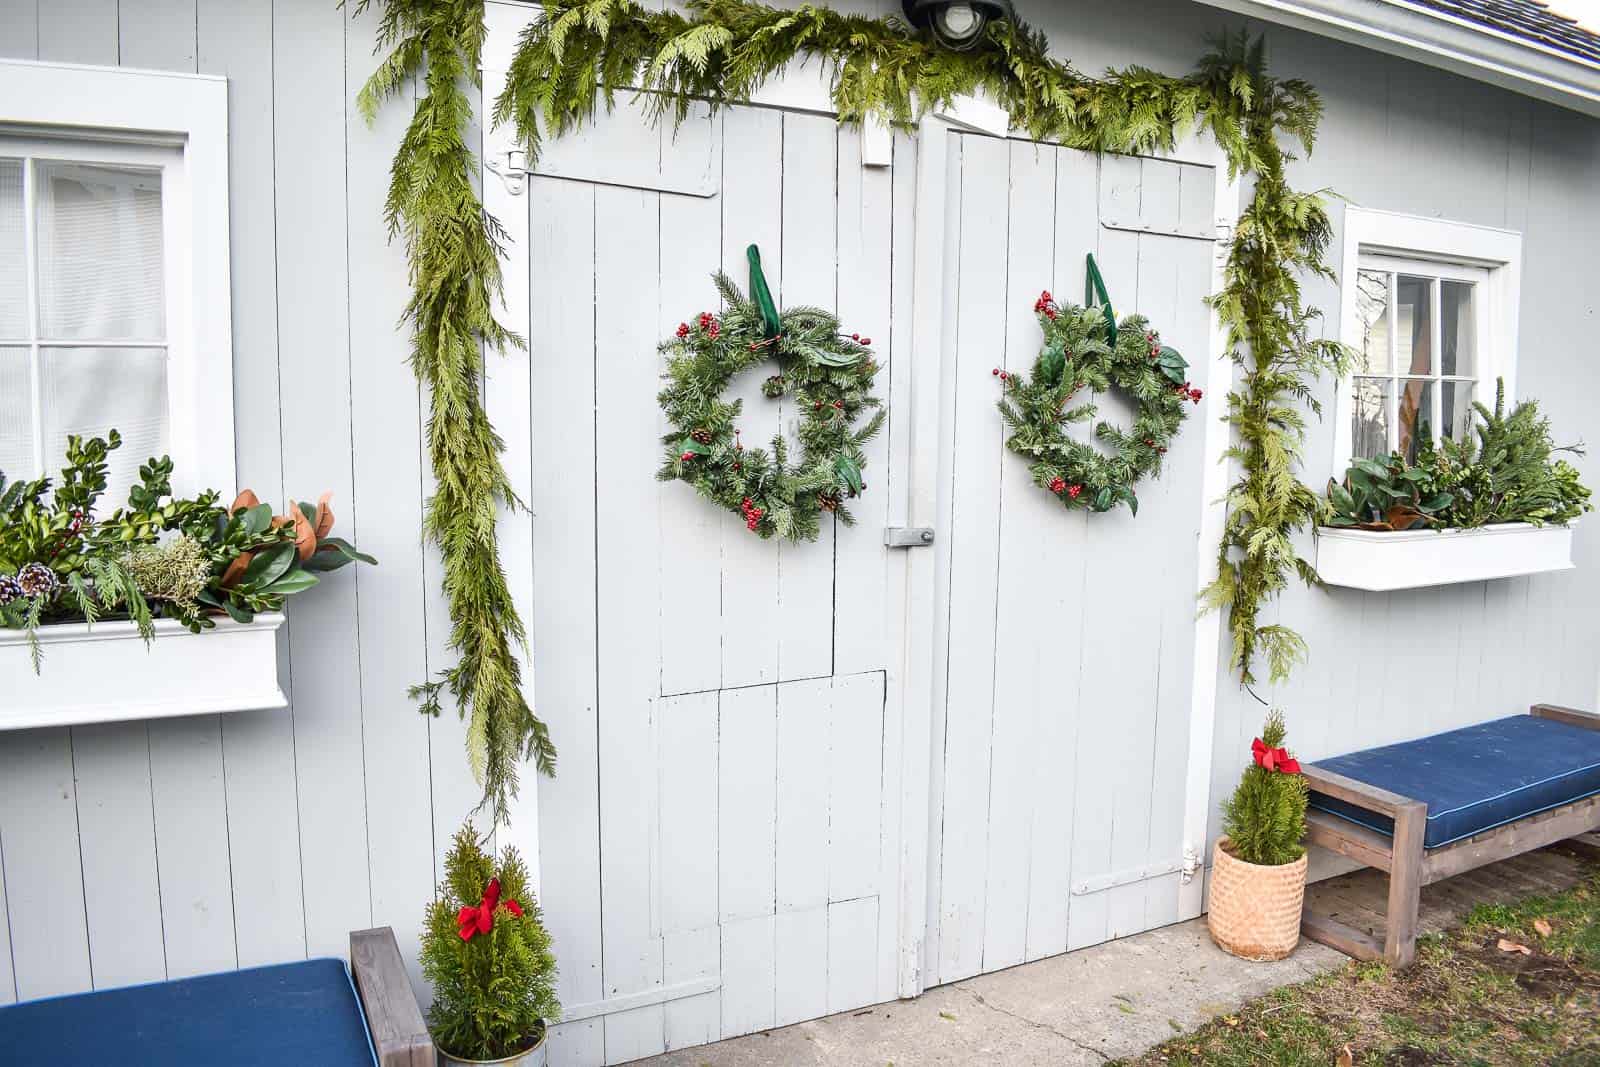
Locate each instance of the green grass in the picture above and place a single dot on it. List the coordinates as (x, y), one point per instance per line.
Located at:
(1467, 1000)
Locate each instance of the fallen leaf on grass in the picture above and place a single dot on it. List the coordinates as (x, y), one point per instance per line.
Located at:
(1542, 928)
(1507, 945)
(1231, 1020)
(1346, 1058)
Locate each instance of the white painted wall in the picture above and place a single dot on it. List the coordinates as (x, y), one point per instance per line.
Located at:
(136, 851)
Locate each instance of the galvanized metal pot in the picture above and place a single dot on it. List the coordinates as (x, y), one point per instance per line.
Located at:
(537, 1056)
(1255, 909)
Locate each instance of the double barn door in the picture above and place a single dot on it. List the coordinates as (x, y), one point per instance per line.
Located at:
(725, 848)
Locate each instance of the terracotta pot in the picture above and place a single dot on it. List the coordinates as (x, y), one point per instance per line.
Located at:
(536, 1056)
(1255, 910)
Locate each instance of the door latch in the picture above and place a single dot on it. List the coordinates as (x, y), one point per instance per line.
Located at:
(908, 536)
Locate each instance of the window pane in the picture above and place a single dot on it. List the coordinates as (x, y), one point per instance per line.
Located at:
(1369, 420)
(13, 273)
(1457, 411)
(100, 272)
(1416, 416)
(1372, 307)
(1415, 349)
(90, 391)
(16, 416)
(1458, 334)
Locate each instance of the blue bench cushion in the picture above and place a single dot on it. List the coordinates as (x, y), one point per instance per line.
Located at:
(301, 1013)
(1475, 778)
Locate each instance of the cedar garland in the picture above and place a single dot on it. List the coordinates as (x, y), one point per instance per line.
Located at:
(454, 249)
(579, 52)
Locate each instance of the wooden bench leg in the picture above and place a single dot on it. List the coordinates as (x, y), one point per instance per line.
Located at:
(1405, 885)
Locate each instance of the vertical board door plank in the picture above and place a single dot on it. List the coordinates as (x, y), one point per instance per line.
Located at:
(690, 552)
(313, 290)
(385, 412)
(749, 974)
(8, 977)
(157, 34)
(752, 194)
(19, 39)
(852, 951)
(809, 277)
(1053, 765)
(625, 260)
(801, 983)
(78, 31)
(561, 285)
(44, 881)
(688, 955)
(747, 799)
(802, 823)
(865, 220)
(117, 844)
(975, 546)
(687, 841)
(1032, 600)
(190, 801)
(855, 762)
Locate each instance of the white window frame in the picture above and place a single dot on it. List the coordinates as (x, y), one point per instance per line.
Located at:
(1444, 248)
(178, 122)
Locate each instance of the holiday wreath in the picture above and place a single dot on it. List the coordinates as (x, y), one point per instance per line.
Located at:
(1085, 346)
(830, 376)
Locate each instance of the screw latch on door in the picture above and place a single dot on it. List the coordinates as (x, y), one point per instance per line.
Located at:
(907, 536)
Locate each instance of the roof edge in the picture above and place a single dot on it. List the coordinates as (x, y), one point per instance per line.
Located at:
(1439, 40)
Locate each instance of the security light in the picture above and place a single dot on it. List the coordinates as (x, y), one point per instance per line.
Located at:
(957, 24)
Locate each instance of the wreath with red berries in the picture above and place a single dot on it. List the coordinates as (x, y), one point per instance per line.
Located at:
(827, 373)
(1086, 348)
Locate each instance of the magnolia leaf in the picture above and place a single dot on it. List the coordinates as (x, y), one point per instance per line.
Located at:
(1104, 499)
(850, 471)
(269, 564)
(333, 553)
(1172, 365)
(695, 447)
(258, 519)
(293, 582)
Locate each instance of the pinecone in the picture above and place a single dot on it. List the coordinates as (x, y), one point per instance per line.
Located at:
(10, 589)
(828, 500)
(701, 435)
(37, 580)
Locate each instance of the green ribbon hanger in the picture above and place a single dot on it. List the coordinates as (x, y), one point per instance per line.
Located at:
(1094, 284)
(771, 325)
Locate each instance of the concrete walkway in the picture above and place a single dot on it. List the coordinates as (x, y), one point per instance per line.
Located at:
(1115, 999)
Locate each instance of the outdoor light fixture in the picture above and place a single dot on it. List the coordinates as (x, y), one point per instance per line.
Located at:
(957, 24)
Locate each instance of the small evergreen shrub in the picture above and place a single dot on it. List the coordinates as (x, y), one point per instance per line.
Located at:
(487, 955)
(1266, 816)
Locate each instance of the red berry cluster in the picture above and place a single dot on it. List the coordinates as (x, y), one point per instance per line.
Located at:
(1058, 485)
(1074, 491)
(1045, 305)
(1189, 392)
(686, 457)
(858, 339)
(1154, 340)
(752, 514)
(1002, 375)
(683, 330)
(709, 323)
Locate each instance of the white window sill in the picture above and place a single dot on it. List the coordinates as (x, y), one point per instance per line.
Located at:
(1412, 559)
(106, 672)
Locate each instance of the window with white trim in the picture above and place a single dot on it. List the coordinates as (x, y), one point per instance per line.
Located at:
(83, 304)
(1430, 311)
(115, 293)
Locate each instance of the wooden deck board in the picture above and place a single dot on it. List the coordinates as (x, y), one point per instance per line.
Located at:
(1358, 899)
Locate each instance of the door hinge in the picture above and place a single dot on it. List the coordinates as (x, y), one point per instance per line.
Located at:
(907, 536)
(1191, 864)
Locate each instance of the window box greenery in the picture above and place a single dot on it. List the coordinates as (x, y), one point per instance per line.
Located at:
(1495, 505)
(166, 606)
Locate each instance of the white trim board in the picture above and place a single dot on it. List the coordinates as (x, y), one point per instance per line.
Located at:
(112, 105)
(1439, 40)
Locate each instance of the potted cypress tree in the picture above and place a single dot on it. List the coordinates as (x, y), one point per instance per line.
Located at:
(1258, 875)
(488, 956)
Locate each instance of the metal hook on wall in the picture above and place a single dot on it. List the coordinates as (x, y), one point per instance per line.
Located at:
(513, 171)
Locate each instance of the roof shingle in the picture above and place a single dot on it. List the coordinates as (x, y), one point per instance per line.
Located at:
(1528, 20)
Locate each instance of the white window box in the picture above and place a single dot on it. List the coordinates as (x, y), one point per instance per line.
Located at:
(107, 673)
(1410, 559)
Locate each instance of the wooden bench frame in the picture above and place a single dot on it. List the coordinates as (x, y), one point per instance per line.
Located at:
(1410, 865)
(394, 1019)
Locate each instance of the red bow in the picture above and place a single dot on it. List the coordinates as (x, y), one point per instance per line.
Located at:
(1274, 759)
(479, 918)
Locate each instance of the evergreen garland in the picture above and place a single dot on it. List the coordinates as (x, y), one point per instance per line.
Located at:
(830, 375)
(1080, 351)
(579, 52)
(454, 249)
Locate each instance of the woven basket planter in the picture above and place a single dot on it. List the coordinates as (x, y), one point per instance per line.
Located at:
(1255, 910)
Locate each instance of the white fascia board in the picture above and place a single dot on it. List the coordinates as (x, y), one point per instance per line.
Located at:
(1439, 40)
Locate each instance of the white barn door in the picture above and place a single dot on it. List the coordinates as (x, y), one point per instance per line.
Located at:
(718, 852)
(1062, 709)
